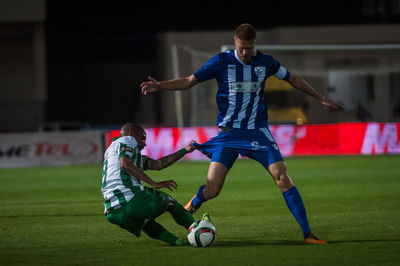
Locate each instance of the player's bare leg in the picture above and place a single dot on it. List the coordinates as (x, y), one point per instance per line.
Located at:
(293, 201)
(279, 174)
(215, 181)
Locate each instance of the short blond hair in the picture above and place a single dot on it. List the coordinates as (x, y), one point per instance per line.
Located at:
(245, 32)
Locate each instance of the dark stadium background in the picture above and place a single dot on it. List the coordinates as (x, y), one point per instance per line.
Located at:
(85, 33)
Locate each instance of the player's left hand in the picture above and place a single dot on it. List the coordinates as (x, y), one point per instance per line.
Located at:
(189, 148)
(170, 184)
(330, 103)
(149, 86)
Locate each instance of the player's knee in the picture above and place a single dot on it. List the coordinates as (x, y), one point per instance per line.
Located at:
(283, 181)
(171, 204)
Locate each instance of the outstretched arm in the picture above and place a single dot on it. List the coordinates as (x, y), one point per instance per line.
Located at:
(131, 169)
(153, 85)
(301, 84)
(169, 159)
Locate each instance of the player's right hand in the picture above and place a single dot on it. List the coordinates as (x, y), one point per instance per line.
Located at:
(170, 184)
(149, 86)
(331, 103)
(189, 148)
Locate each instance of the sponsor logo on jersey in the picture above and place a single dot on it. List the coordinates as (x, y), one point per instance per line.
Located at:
(129, 149)
(244, 86)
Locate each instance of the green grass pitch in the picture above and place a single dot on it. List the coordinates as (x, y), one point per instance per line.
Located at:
(54, 216)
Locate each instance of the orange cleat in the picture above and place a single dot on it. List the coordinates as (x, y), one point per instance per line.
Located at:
(189, 206)
(313, 240)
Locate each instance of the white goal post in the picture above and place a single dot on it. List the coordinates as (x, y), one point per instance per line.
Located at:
(366, 75)
(320, 47)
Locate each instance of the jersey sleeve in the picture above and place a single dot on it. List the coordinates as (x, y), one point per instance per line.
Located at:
(127, 148)
(208, 71)
(277, 70)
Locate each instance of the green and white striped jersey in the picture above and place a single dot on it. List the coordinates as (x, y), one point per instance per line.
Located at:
(118, 186)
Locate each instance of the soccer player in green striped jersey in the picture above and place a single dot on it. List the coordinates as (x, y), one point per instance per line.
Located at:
(130, 204)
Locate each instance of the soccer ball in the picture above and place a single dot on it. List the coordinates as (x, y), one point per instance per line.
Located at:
(201, 234)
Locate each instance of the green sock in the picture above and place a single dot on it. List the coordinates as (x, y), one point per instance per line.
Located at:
(182, 216)
(181, 242)
(168, 237)
(157, 231)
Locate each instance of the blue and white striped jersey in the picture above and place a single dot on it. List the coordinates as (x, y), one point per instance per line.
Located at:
(240, 91)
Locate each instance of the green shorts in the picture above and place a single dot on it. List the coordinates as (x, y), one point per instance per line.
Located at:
(147, 204)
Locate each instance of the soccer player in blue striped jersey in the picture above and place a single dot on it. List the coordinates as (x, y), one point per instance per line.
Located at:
(243, 119)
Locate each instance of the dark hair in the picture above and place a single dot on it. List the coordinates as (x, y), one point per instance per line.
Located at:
(245, 32)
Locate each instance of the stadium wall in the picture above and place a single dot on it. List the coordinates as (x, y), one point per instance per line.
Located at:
(23, 77)
(293, 140)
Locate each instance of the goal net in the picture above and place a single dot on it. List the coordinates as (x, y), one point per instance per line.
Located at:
(364, 78)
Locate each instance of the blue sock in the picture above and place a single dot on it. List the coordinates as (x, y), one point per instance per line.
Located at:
(296, 206)
(199, 199)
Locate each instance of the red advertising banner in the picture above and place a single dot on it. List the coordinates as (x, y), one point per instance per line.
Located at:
(51, 148)
(322, 139)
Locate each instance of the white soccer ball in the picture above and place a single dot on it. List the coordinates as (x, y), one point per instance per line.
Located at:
(201, 234)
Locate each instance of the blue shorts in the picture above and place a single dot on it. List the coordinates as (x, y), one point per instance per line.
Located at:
(257, 144)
